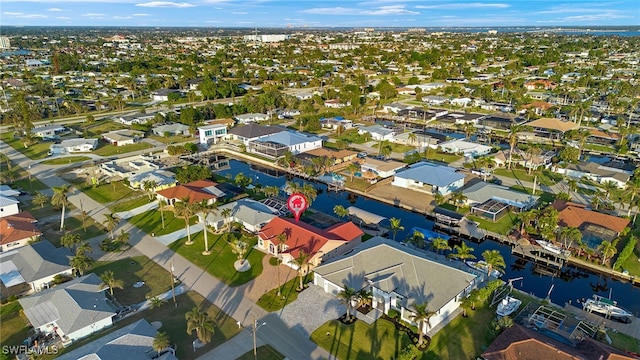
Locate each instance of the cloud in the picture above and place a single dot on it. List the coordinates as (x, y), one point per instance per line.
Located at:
(63, 18)
(213, 21)
(118, 17)
(54, 9)
(24, 16)
(142, 14)
(166, 4)
(93, 15)
(239, 12)
(382, 10)
(455, 6)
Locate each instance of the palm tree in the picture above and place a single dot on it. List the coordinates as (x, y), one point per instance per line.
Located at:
(569, 235)
(185, 210)
(301, 261)
(84, 248)
(347, 296)
(633, 190)
(353, 168)
(109, 280)
(81, 263)
(463, 252)
(573, 184)
(282, 239)
(60, 199)
(161, 341)
(457, 197)
(201, 323)
(70, 240)
(608, 249)
(340, 211)
(239, 247)
(416, 239)
(206, 209)
(110, 222)
(513, 141)
(440, 244)
(155, 302)
(438, 198)
(421, 315)
(526, 217)
(149, 187)
(494, 260)
(412, 137)
(162, 203)
(310, 192)
(226, 215)
(40, 199)
(608, 187)
(123, 238)
(270, 191)
(365, 297)
(581, 136)
(395, 227)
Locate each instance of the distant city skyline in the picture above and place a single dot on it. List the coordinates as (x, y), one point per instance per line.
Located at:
(279, 13)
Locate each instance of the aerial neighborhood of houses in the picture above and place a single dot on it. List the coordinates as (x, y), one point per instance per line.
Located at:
(146, 176)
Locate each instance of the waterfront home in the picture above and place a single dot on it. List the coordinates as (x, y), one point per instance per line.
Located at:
(493, 200)
(429, 178)
(422, 114)
(522, 159)
(211, 134)
(339, 159)
(457, 117)
(594, 226)
(275, 145)
(171, 129)
(32, 268)
(551, 127)
(420, 139)
(377, 132)
(398, 278)
(499, 122)
(132, 342)
(123, 137)
(600, 173)
(381, 168)
(8, 206)
(251, 132)
(17, 230)
(396, 107)
(466, 148)
(72, 310)
(319, 244)
(195, 191)
(336, 122)
(162, 178)
(70, 146)
(253, 215)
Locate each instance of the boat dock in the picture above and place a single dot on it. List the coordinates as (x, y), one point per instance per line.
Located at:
(631, 329)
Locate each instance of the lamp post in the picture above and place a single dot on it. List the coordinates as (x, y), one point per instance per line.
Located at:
(255, 328)
(173, 288)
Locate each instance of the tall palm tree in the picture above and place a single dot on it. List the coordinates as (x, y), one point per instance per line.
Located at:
(310, 192)
(347, 296)
(70, 240)
(84, 248)
(458, 198)
(81, 263)
(226, 215)
(573, 184)
(494, 260)
(416, 239)
(569, 235)
(110, 222)
(206, 209)
(440, 244)
(412, 137)
(633, 190)
(40, 199)
(201, 323)
(60, 199)
(513, 141)
(109, 280)
(301, 261)
(526, 217)
(608, 187)
(185, 210)
(462, 252)
(161, 341)
(395, 226)
(421, 315)
(340, 211)
(162, 203)
(608, 249)
(149, 187)
(353, 168)
(282, 239)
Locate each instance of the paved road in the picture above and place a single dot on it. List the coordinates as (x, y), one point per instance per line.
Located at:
(231, 300)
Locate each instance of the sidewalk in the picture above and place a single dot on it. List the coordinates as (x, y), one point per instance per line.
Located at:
(124, 215)
(179, 234)
(236, 346)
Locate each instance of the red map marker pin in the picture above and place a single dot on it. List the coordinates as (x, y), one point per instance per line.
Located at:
(297, 204)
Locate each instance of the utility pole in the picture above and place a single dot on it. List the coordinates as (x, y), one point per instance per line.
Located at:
(255, 328)
(173, 288)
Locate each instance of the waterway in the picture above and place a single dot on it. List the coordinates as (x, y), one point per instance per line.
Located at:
(576, 285)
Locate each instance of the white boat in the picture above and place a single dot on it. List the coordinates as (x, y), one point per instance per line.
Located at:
(508, 305)
(550, 247)
(482, 266)
(605, 306)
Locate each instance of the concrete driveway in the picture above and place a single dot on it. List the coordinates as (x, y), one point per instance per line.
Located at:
(313, 308)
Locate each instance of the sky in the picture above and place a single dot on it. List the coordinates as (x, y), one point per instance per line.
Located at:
(319, 13)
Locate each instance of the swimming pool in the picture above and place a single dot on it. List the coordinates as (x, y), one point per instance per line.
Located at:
(555, 336)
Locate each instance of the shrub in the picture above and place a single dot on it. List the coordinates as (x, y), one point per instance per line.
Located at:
(410, 352)
(625, 253)
(393, 313)
(61, 278)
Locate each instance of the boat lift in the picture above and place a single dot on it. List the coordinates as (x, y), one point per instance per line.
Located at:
(503, 291)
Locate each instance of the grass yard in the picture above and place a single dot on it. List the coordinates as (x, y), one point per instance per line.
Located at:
(15, 326)
(264, 352)
(129, 204)
(600, 148)
(270, 300)
(442, 156)
(170, 139)
(220, 262)
(399, 148)
(110, 150)
(35, 151)
(544, 196)
(502, 226)
(352, 136)
(632, 264)
(66, 160)
(357, 183)
(624, 342)
(42, 212)
(175, 325)
(96, 129)
(29, 185)
(109, 192)
(547, 178)
(151, 222)
(156, 279)
(380, 340)
(72, 224)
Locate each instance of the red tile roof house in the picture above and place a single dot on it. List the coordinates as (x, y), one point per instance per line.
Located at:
(196, 191)
(17, 230)
(317, 243)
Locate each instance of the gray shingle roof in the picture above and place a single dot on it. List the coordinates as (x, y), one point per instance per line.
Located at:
(254, 130)
(39, 260)
(245, 210)
(482, 191)
(390, 266)
(431, 174)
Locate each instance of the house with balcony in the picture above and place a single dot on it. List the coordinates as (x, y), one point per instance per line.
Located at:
(211, 134)
(275, 145)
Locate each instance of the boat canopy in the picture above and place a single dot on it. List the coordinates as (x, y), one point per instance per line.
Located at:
(364, 216)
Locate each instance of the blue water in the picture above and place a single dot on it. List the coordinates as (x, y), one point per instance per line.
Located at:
(565, 289)
(555, 336)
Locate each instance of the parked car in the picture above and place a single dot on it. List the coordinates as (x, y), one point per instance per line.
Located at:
(496, 181)
(124, 311)
(480, 172)
(362, 155)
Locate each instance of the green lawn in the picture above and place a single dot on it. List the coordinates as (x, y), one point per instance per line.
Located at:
(174, 324)
(632, 264)
(265, 352)
(29, 185)
(109, 150)
(35, 151)
(401, 148)
(357, 183)
(66, 160)
(156, 279)
(547, 178)
(96, 129)
(14, 325)
(624, 342)
(170, 139)
(352, 136)
(220, 262)
(544, 196)
(502, 226)
(109, 192)
(380, 340)
(151, 222)
(270, 300)
(72, 224)
(442, 156)
(129, 204)
(600, 148)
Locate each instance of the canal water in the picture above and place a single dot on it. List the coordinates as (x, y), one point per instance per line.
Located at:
(571, 285)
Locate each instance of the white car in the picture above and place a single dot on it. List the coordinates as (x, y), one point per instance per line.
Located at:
(480, 172)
